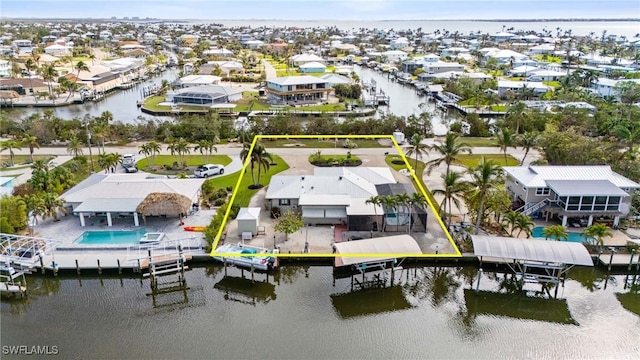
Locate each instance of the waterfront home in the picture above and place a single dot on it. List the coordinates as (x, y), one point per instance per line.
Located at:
(418, 62)
(394, 56)
(332, 195)
(441, 67)
(226, 67)
(253, 44)
(542, 49)
(580, 192)
(312, 67)
(334, 79)
(297, 89)
(506, 87)
(503, 36)
(454, 51)
(524, 70)
(23, 86)
(197, 80)
(109, 195)
(206, 95)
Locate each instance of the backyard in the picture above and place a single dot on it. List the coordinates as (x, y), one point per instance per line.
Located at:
(164, 164)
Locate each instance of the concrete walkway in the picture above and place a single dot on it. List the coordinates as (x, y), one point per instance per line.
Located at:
(269, 70)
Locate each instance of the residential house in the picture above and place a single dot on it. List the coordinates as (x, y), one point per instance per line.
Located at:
(105, 35)
(298, 89)
(542, 49)
(149, 38)
(394, 56)
(109, 195)
(222, 52)
(506, 56)
(226, 67)
(23, 86)
(254, 44)
(441, 66)
(334, 195)
(206, 95)
(300, 59)
(399, 43)
(58, 50)
(606, 87)
(454, 51)
(312, 67)
(503, 36)
(187, 40)
(506, 87)
(334, 79)
(584, 193)
(545, 75)
(197, 80)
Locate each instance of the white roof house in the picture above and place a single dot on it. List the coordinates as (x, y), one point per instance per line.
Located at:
(305, 58)
(296, 80)
(122, 193)
(507, 85)
(505, 56)
(218, 52)
(198, 80)
(330, 194)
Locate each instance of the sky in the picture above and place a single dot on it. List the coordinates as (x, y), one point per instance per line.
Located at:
(323, 9)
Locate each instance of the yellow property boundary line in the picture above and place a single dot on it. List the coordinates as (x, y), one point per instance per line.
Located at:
(316, 137)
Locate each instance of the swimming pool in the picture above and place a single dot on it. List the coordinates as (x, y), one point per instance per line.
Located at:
(538, 232)
(123, 237)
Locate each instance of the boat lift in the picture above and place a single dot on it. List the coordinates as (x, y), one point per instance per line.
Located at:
(531, 261)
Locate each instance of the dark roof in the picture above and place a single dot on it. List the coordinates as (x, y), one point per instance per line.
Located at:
(26, 83)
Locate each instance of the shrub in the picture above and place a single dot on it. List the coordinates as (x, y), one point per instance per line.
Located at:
(220, 202)
(275, 212)
(229, 188)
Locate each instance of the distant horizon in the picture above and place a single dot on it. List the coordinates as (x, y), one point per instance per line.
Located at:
(2, 17)
(323, 10)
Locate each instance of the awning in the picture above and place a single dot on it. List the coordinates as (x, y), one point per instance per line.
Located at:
(562, 252)
(312, 213)
(375, 250)
(108, 205)
(335, 213)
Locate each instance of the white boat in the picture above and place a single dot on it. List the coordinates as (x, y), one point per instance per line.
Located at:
(152, 237)
(247, 256)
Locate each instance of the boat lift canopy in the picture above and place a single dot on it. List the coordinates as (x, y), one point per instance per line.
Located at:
(532, 261)
(376, 250)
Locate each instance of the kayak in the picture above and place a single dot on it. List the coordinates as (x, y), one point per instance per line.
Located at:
(195, 228)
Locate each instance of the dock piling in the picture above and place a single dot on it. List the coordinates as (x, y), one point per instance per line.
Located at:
(99, 268)
(633, 252)
(41, 263)
(478, 283)
(611, 258)
(77, 267)
(119, 267)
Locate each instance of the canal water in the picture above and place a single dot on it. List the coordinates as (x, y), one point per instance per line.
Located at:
(122, 104)
(298, 312)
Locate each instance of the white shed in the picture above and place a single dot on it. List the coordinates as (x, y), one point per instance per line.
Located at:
(248, 220)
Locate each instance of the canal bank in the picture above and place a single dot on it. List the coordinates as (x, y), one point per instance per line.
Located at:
(430, 312)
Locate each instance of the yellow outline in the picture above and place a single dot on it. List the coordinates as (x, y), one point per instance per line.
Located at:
(400, 152)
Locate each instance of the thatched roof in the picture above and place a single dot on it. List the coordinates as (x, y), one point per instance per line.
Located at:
(164, 204)
(9, 94)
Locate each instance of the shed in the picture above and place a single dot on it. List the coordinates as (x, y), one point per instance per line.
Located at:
(248, 220)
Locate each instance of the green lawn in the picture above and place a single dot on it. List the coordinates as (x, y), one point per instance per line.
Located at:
(471, 160)
(21, 161)
(312, 143)
(553, 84)
(243, 194)
(251, 101)
(151, 103)
(419, 171)
(501, 108)
(479, 141)
(191, 160)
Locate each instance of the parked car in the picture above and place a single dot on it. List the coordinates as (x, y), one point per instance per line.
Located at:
(205, 171)
(128, 160)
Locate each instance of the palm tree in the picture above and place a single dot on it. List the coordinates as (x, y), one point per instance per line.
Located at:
(154, 149)
(517, 113)
(417, 199)
(404, 200)
(448, 150)
(483, 177)
(49, 73)
(261, 157)
(509, 221)
(52, 204)
(104, 162)
(418, 149)
(524, 223)
(10, 145)
(454, 188)
(527, 140)
(389, 203)
(375, 201)
(75, 147)
(598, 232)
(557, 232)
(183, 148)
(31, 66)
(505, 140)
(206, 148)
(34, 204)
(31, 142)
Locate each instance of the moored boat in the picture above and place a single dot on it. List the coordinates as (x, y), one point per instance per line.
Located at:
(247, 256)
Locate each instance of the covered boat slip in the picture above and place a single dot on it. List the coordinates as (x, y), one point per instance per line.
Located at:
(375, 251)
(539, 261)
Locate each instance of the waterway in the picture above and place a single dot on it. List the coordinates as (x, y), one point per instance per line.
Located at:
(404, 99)
(433, 313)
(122, 104)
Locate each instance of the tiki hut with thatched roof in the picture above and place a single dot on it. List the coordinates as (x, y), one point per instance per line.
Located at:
(164, 204)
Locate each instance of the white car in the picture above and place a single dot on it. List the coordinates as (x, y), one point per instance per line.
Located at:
(205, 171)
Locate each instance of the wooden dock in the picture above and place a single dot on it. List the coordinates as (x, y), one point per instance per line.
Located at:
(631, 261)
(7, 288)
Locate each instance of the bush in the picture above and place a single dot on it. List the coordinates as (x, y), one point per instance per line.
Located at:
(229, 188)
(220, 202)
(275, 212)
